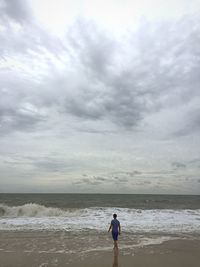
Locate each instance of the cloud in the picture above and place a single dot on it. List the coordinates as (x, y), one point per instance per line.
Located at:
(17, 10)
(118, 81)
(115, 178)
(192, 122)
(142, 183)
(87, 182)
(143, 74)
(194, 161)
(101, 180)
(178, 165)
(16, 115)
(133, 173)
(104, 99)
(120, 180)
(95, 48)
(51, 165)
(26, 53)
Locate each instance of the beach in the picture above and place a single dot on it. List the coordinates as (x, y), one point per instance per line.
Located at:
(72, 230)
(39, 249)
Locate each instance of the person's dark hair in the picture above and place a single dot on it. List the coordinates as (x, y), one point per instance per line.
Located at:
(114, 216)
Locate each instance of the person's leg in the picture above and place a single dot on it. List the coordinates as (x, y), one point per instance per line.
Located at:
(115, 238)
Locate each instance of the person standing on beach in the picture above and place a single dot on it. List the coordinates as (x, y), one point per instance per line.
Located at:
(116, 229)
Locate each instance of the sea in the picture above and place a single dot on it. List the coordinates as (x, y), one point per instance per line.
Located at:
(78, 213)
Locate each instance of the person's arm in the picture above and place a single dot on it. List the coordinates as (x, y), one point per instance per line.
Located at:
(119, 229)
(110, 228)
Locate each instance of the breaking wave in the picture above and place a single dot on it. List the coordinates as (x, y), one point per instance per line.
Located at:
(30, 210)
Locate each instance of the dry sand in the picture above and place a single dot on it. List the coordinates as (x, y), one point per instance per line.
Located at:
(20, 249)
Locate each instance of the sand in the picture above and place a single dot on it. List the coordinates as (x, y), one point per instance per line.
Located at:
(26, 249)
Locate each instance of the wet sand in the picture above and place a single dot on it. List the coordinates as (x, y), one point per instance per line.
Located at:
(22, 249)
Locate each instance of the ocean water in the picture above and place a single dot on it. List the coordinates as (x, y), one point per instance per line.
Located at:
(80, 213)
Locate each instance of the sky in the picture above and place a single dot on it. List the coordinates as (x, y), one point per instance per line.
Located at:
(100, 96)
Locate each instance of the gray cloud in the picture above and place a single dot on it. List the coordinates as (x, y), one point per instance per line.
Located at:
(194, 161)
(156, 76)
(99, 178)
(51, 165)
(87, 182)
(133, 173)
(23, 39)
(121, 179)
(16, 114)
(155, 73)
(17, 10)
(192, 123)
(116, 178)
(178, 165)
(102, 180)
(23, 97)
(142, 183)
(94, 47)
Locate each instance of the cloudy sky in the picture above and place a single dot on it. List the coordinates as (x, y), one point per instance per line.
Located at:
(100, 96)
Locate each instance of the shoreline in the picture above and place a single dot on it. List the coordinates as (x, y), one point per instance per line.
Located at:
(40, 249)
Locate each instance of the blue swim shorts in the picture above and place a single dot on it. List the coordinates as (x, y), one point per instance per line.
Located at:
(115, 236)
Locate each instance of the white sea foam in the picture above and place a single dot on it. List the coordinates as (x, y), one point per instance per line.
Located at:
(142, 242)
(38, 217)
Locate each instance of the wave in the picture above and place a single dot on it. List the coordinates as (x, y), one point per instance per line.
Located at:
(34, 216)
(30, 210)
